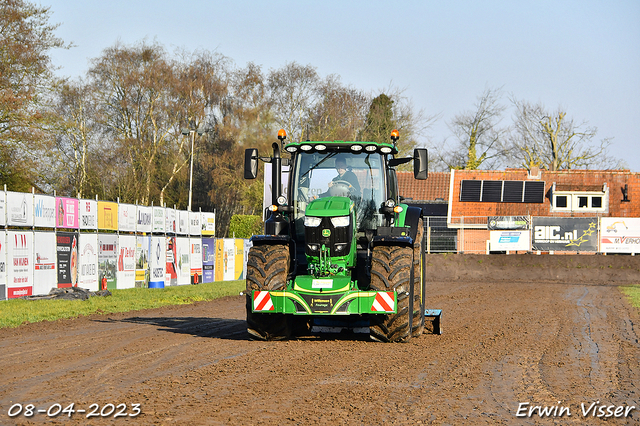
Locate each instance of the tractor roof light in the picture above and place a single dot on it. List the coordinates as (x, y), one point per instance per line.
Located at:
(386, 150)
(282, 135)
(370, 148)
(306, 147)
(291, 148)
(320, 147)
(356, 148)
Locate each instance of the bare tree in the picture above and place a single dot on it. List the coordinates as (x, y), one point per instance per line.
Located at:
(552, 141)
(293, 91)
(339, 113)
(480, 139)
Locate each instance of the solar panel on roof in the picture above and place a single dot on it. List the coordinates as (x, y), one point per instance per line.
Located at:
(499, 191)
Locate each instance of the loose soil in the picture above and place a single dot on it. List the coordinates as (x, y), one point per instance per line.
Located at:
(544, 330)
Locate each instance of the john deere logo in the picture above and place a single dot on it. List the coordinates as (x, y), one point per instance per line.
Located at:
(326, 232)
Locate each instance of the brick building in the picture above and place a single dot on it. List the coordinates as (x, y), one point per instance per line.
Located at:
(473, 195)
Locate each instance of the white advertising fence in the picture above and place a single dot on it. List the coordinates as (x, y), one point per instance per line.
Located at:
(50, 241)
(482, 234)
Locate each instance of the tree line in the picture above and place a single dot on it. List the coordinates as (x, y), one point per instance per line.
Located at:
(125, 130)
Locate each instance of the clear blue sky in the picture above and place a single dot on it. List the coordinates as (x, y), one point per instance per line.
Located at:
(583, 55)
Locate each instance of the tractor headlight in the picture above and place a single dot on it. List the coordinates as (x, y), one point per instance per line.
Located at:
(312, 222)
(340, 221)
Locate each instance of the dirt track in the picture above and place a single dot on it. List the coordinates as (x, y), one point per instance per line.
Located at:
(550, 331)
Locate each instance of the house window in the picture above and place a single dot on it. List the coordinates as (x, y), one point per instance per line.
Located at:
(580, 201)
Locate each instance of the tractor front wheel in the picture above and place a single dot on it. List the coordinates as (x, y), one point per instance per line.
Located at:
(267, 269)
(391, 270)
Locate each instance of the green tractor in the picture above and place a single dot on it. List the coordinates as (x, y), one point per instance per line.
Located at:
(340, 251)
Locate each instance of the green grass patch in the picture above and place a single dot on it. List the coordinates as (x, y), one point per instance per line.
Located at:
(15, 312)
(633, 294)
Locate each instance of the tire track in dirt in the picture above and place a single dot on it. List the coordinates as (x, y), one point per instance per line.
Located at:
(505, 342)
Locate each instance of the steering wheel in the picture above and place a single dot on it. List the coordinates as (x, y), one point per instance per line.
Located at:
(340, 188)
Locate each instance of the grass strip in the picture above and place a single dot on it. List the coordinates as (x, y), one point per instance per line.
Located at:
(15, 312)
(633, 294)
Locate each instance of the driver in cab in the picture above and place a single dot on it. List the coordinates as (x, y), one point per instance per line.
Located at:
(345, 178)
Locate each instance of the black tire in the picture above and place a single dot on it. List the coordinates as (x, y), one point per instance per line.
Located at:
(391, 270)
(418, 309)
(267, 269)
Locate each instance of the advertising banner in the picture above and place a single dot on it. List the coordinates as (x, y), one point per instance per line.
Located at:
(45, 276)
(20, 259)
(158, 220)
(220, 260)
(196, 260)
(107, 215)
(194, 223)
(208, 259)
(229, 260)
(142, 261)
(183, 222)
(171, 271)
(184, 263)
(88, 211)
(67, 251)
(509, 240)
(88, 261)
(126, 261)
(208, 223)
(127, 217)
(565, 234)
(107, 259)
(247, 246)
(171, 225)
(508, 222)
(3, 211)
(19, 209)
(67, 213)
(239, 259)
(157, 260)
(44, 208)
(620, 235)
(144, 222)
(3, 265)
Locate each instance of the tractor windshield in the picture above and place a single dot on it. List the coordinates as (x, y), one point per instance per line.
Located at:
(358, 176)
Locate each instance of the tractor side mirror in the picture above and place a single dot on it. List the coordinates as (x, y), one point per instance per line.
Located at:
(250, 163)
(420, 163)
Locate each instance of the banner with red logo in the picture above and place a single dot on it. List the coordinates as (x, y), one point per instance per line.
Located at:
(171, 271)
(20, 257)
(67, 250)
(107, 257)
(196, 260)
(88, 213)
(127, 261)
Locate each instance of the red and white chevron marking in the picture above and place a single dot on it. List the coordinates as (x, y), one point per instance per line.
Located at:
(262, 301)
(383, 302)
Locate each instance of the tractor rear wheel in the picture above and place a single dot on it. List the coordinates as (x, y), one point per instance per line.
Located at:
(267, 269)
(391, 270)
